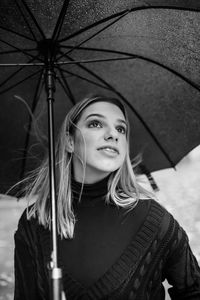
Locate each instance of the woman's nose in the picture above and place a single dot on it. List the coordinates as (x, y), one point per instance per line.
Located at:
(111, 134)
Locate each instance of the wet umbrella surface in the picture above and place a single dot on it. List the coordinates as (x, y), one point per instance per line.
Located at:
(144, 52)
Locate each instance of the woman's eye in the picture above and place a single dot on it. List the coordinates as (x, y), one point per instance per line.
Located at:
(94, 123)
(121, 129)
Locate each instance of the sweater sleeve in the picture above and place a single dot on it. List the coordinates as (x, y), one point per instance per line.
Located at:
(183, 272)
(26, 287)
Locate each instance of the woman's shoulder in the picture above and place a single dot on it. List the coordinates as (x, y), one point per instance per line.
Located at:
(26, 225)
(153, 207)
(24, 216)
(156, 215)
(159, 209)
(170, 230)
(159, 215)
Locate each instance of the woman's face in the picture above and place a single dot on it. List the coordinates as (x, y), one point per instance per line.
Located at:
(103, 128)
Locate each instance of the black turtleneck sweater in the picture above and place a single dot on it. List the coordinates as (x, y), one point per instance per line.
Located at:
(114, 255)
(102, 232)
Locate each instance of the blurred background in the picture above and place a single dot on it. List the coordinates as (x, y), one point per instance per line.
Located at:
(179, 193)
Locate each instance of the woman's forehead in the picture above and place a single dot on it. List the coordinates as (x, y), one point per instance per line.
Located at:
(104, 108)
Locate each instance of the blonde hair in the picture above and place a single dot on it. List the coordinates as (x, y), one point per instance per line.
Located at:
(123, 188)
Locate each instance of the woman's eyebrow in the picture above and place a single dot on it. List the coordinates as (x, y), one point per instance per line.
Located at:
(95, 115)
(102, 116)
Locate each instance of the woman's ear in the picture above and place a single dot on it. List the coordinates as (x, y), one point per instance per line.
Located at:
(70, 142)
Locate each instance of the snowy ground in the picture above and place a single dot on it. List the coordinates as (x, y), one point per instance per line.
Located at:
(179, 193)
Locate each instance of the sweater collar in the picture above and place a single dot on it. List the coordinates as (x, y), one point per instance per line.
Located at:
(91, 193)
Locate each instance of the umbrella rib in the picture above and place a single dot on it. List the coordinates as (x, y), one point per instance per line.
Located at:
(22, 64)
(25, 19)
(111, 88)
(66, 85)
(126, 12)
(96, 60)
(34, 105)
(33, 18)
(60, 21)
(19, 82)
(135, 56)
(16, 33)
(93, 35)
(16, 51)
(13, 74)
(172, 7)
(84, 78)
(63, 87)
(20, 50)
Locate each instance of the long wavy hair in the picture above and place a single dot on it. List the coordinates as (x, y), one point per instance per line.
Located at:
(123, 187)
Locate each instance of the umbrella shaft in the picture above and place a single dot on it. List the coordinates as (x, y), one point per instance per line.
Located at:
(52, 180)
(56, 274)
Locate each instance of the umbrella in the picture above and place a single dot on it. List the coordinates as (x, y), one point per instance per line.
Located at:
(144, 52)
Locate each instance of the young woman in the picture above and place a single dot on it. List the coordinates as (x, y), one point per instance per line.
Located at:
(115, 240)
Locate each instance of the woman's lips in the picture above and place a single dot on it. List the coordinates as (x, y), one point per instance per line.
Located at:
(109, 151)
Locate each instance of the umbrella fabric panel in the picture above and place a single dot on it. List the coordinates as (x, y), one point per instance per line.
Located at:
(14, 118)
(166, 36)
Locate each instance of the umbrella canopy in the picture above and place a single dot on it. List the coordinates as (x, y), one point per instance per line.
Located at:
(144, 52)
